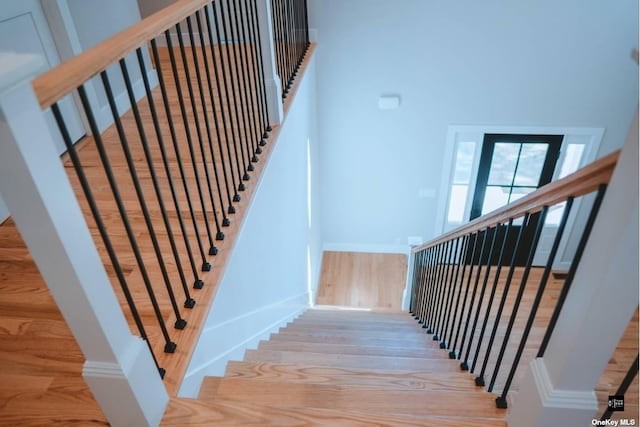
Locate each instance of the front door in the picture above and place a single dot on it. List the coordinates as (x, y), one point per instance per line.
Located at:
(512, 166)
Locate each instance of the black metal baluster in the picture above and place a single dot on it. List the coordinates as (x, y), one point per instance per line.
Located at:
(242, 175)
(464, 365)
(574, 266)
(538, 297)
(440, 288)
(199, 83)
(451, 313)
(500, 402)
(433, 290)
(185, 120)
(207, 71)
(189, 302)
(156, 124)
(482, 292)
(503, 298)
(424, 286)
(242, 83)
(196, 121)
(453, 354)
(415, 287)
(285, 47)
(180, 322)
(479, 379)
(414, 282)
(238, 94)
(624, 386)
(259, 70)
(170, 346)
(198, 284)
(306, 25)
(91, 201)
(246, 76)
(225, 125)
(275, 22)
(445, 291)
(253, 76)
(290, 46)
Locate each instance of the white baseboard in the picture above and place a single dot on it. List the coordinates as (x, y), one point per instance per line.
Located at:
(367, 248)
(229, 339)
(313, 35)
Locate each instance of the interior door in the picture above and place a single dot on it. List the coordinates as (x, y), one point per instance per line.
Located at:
(512, 166)
(24, 29)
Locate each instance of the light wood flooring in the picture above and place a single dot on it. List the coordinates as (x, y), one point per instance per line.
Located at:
(40, 362)
(368, 280)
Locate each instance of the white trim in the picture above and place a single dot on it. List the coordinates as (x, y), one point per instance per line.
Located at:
(225, 333)
(546, 405)
(251, 313)
(366, 248)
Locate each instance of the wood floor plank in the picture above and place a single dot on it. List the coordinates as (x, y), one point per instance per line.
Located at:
(385, 402)
(351, 377)
(222, 412)
(352, 361)
(367, 350)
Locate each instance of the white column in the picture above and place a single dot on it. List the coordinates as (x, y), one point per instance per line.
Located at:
(119, 368)
(272, 81)
(558, 388)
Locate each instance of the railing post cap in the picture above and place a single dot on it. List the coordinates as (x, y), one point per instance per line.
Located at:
(15, 68)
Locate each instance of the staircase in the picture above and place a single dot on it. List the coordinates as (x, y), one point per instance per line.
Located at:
(342, 367)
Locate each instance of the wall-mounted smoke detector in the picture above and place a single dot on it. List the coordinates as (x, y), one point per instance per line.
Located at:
(388, 102)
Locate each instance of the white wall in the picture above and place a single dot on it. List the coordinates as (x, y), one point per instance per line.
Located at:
(90, 22)
(266, 280)
(543, 63)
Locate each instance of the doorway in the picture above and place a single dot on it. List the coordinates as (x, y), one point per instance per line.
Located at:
(512, 166)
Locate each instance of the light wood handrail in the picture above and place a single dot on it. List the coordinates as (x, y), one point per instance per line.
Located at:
(59, 81)
(577, 184)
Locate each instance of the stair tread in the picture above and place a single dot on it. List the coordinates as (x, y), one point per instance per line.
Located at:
(181, 412)
(371, 350)
(353, 361)
(372, 401)
(355, 378)
(420, 340)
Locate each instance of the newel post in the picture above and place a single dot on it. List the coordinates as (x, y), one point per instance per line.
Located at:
(119, 368)
(558, 388)
(272, 80)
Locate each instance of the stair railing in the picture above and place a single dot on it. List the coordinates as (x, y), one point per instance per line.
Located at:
(186, 92)
(291, 39)
(474, 288)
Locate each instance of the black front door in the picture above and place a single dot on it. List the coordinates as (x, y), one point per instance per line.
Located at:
(512, 166)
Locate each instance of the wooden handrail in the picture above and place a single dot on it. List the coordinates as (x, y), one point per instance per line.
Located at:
(59, 81)
(579, 183)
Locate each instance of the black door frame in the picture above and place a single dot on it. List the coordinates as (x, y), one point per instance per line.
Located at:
(546, 175)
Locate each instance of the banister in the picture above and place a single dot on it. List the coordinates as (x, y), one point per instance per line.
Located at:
(59, 81)
(577, 184)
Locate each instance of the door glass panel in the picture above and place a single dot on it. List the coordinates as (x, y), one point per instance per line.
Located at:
(520, 192)
(495, 197)
(457, 203)
(530, 165)
(572, 159)
(464, 162)
(503, 163)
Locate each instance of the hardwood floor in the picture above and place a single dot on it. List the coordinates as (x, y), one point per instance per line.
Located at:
(368, 280)
(324, 361)
(40, 362)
